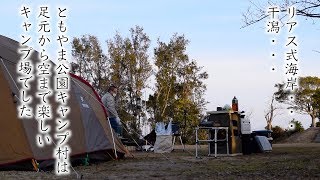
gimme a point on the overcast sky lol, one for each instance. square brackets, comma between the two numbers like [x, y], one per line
[238, 61]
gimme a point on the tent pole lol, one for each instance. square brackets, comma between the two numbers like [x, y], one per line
[9, 73]
[114, 144]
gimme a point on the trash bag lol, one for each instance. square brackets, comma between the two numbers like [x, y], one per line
[162, 130]
[163, 144]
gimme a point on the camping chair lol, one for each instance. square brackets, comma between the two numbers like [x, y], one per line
[176, 133]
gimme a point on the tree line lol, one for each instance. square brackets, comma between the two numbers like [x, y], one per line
[303, 100]
[306, 98]
[177, 89]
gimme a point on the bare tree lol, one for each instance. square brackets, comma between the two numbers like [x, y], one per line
[249, 114]
[257, 11]
[316, 51]
[271, 112]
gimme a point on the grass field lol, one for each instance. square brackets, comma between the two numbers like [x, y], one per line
[286, 161]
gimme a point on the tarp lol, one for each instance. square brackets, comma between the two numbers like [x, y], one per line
[162, 130]
[163, 144]
[263, 143]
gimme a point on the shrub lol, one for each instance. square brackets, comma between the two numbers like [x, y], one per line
[318, 124]
[297, 127]
[278, 133]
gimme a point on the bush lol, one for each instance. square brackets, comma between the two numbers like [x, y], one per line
[297, 127]
[278, 133]
[318, 124]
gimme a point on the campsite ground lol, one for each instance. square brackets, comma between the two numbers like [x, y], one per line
[286, 161]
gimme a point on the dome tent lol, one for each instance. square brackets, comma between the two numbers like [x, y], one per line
[91, 132]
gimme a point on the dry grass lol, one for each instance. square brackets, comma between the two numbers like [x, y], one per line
[286, 161]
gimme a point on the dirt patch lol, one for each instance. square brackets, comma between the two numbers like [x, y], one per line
[307, 136]
[287, 161]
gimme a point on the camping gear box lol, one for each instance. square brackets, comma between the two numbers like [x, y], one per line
[229, 119]
[219, 119]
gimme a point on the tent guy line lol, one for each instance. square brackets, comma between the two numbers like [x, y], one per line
[121, 121]
[78, 86]
[9, 58]
[78, 176]
[114, 144]
[9, 72]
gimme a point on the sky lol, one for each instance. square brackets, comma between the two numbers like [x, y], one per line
[237, 60]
